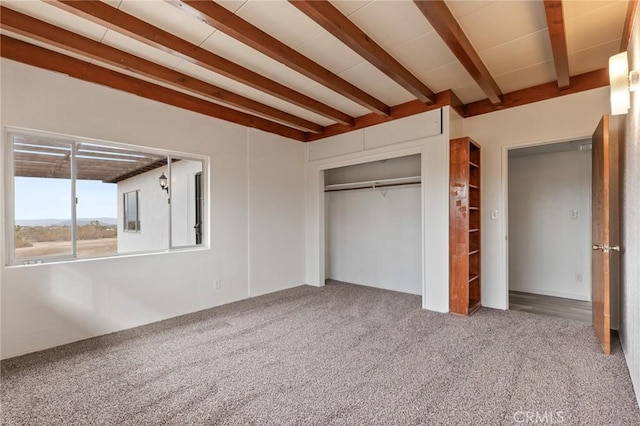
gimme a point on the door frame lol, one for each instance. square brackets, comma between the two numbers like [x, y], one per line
[504, 207]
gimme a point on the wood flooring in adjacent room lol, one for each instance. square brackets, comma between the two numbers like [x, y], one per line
[558, 307]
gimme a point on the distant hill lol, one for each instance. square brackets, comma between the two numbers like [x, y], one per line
[59, 222]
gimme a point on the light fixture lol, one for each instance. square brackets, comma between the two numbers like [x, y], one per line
[164, 184]
[621, 83]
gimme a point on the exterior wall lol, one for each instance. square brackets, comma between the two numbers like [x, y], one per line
[630, 223]
[154, 209]
[51, 304]
[153, 212]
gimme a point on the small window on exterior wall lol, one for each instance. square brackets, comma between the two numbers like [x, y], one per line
[131, 216]
[70, 198]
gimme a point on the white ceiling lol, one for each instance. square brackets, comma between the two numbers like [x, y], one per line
[511, 38]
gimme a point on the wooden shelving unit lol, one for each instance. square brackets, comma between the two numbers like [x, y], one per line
[464, 227]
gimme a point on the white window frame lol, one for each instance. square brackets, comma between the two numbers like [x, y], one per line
[7, 157]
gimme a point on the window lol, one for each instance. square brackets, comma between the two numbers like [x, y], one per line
[131, 217]
[79, 198]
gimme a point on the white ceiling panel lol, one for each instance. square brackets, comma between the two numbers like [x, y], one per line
[503, 21]
[470, 93]
[527, 77]
[163, 15]
[598, 27]
[140, 49]
[532, 49]
[575, 8]
[376, 83]
[235, 51]
[347, 7]
[231, 5]
[460, 8]
[592, 59]
[380, 21]
[56, 16]
[424, 53]
[269, 16]
[286, 76]
[200, 73]
[272, 101]
[450, 76]
[329, 52]
[329, 97]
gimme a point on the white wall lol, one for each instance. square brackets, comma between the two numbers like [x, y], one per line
[547, 248]
[51, 304]
[153, 212]
[375, 238]
[276, 211]
[565, 118]
[420, 134]
[630, 224]
[154, 209]
[183, 200]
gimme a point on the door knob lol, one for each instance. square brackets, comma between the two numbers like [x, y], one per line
[605, 248]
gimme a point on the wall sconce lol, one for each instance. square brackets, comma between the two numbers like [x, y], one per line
[622, 82]
[164, 183]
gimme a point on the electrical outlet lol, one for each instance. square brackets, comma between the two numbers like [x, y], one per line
[579, 277]
[574, 214]
[217, 284]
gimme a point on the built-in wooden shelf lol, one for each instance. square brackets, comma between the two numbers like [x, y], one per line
[464, 227]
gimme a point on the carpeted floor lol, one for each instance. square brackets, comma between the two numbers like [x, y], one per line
[342, 354]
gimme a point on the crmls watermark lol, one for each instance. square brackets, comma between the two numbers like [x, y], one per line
[539, 417]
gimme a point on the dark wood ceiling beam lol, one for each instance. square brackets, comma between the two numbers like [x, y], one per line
[42, 58]
[555, 25]
[445, 24]
[579, 83]
[236, 27]
[50, 34]
[632, 9]
[117, 20]
[333, 21]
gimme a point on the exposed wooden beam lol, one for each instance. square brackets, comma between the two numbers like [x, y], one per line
[332, 20]
[632, 9]
[117, 20]
[406, 109]
[579, 83]
[445, 24]
[50, 34]
[236, 27]
[33, 55]
[555, 24]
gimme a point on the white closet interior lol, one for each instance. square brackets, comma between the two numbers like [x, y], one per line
[373, 224]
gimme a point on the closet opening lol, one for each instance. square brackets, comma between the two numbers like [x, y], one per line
[549, 229]
[373, 224]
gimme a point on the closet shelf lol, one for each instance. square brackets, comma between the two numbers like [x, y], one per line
[380, 183]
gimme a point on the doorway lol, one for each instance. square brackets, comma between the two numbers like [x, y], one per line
[549, 229]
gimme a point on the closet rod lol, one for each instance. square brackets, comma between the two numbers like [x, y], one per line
[374, 186]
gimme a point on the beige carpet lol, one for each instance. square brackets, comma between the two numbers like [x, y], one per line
[342, 354]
